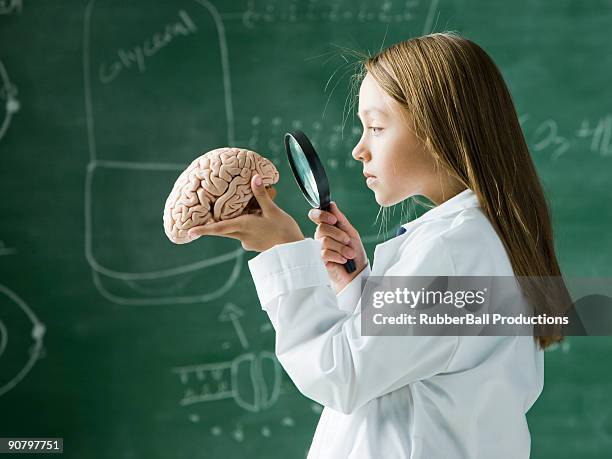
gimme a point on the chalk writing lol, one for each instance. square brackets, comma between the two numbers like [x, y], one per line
[548, 138]
[269, 11]
[333, 143]
[600, 135]
[137, 55]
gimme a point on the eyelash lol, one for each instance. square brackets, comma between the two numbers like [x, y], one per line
[373, 128]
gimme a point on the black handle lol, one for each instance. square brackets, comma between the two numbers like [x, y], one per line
[350, 266]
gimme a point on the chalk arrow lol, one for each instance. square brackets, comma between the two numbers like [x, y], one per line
[231, 312]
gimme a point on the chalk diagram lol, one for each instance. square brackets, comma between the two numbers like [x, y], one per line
[220, 380]
[252, 380]
[18, 319]
[8, 100]
[154, 286]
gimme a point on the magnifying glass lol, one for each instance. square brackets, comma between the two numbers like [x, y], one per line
[310, 175]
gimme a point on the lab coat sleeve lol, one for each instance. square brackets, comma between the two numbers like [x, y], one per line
[348, 297]
[320, 345]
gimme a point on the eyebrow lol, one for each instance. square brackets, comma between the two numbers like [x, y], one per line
[370, 110]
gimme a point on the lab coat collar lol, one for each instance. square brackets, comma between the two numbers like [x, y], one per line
[464, 200]
[386, 251]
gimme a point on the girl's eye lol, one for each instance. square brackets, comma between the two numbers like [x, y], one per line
[376, 130]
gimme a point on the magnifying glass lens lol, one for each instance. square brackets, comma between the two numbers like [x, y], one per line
[302, 168]
[310, 175]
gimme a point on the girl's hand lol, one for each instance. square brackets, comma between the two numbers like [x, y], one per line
[339, 243]
[258, 232]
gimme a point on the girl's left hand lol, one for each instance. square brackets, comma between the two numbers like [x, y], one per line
[258, 232]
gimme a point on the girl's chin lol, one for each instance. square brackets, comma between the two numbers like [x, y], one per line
[383, 200]
[386, 201]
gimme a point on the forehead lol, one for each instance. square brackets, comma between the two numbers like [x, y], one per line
[372, 99]
[371, 111]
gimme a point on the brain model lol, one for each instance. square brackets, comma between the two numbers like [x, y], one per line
[216, 186]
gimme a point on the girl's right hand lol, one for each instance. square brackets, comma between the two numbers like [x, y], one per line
[339, 243]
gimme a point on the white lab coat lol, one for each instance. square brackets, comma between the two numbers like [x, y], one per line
[402, 396]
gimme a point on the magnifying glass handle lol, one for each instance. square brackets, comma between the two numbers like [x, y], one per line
[350, 264]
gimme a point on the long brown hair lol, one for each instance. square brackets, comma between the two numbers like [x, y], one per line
[464, 114]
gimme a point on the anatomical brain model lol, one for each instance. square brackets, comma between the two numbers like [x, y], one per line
[216, 186]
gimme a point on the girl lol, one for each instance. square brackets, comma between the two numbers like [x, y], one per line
[438, 121]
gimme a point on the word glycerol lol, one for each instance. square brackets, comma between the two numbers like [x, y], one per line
[411, 298]
[137, 55]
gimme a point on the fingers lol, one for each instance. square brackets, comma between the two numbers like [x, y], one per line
[221, 228]
[332, 250]
[343, 222]
[334, 240]
[261, 194]
[332, 231]
[320, 216]
[339, 255]
[335, 217]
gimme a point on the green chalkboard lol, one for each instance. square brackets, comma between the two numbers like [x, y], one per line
[129, 346]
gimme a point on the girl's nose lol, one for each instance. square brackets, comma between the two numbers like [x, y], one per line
[359, 152]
